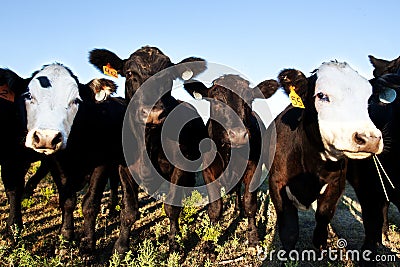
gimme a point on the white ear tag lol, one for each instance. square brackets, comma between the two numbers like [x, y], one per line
[197, 96]
[187, 75]
[100, 96]
[387, 95]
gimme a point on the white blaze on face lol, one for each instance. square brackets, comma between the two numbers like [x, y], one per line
[51, 108]
[341, 100]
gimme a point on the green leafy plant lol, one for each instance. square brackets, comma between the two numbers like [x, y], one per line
[115, 260]
[173, 260]
[118, 207]
[208, 263]
[209, 231]
[27, 203]
[147, 255]
[158, 231]
[190, 207]
[47, 193]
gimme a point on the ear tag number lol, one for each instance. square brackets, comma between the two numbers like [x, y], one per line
[295, 98]
[6, 93]
[108, 70]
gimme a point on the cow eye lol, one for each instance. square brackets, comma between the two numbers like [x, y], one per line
[76, 101]
[323, 97]
[128, 74]
[27, 96]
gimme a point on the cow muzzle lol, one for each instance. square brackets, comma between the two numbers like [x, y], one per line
[355, 140]
[366, 144]
[238, 136]
[152, 115]
[45, 140]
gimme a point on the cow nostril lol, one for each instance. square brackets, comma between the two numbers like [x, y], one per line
[36, 139]
[56, 140]
[360, 139]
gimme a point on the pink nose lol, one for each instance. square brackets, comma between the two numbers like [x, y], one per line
[367, 143]
[47, 139]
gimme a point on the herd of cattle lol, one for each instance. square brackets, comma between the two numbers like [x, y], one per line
[342, 124]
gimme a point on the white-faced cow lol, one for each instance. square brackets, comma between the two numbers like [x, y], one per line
[142, 65]
[384, 110]
[81, 138]
[314, 142]
[41, 128]
[237, 133]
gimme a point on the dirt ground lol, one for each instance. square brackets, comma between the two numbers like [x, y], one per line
[41, 245]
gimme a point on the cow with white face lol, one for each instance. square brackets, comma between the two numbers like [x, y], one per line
[66, 120]
[51, 106]
[341, 101]
[326, 124]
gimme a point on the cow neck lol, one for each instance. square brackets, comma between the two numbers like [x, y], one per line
[395, 133]
[153, 140]
[223, 149]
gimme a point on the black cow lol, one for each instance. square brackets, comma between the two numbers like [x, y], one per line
[313, 143]
[15, 158]
[237, 133]
[81, 138]
[384, 110]
[142, 66]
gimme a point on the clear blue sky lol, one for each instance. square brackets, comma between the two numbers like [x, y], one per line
[257, 38]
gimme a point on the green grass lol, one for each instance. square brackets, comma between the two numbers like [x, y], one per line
[39, 244]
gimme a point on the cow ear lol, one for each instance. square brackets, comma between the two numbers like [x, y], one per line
[97, 90]
[387, 80]
[14, 84]
[102, 57]
[190, 67]
[292, 79]
[196, 89]
[380, 65]
[267, 88]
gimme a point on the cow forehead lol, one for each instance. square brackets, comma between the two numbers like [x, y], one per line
[340, 79]
[54, 80]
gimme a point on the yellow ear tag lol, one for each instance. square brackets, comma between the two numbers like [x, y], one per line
[108, 70]
[295, 98]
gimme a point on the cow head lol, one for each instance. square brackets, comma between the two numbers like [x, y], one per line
[336, 97]
[231, 97]
[382, 66]
[384, 108]
[145, 63]
[52, 98]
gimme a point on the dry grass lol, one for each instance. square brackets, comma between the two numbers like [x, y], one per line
[42, 246]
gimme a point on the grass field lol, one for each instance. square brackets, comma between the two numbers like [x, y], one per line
[41, 245]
